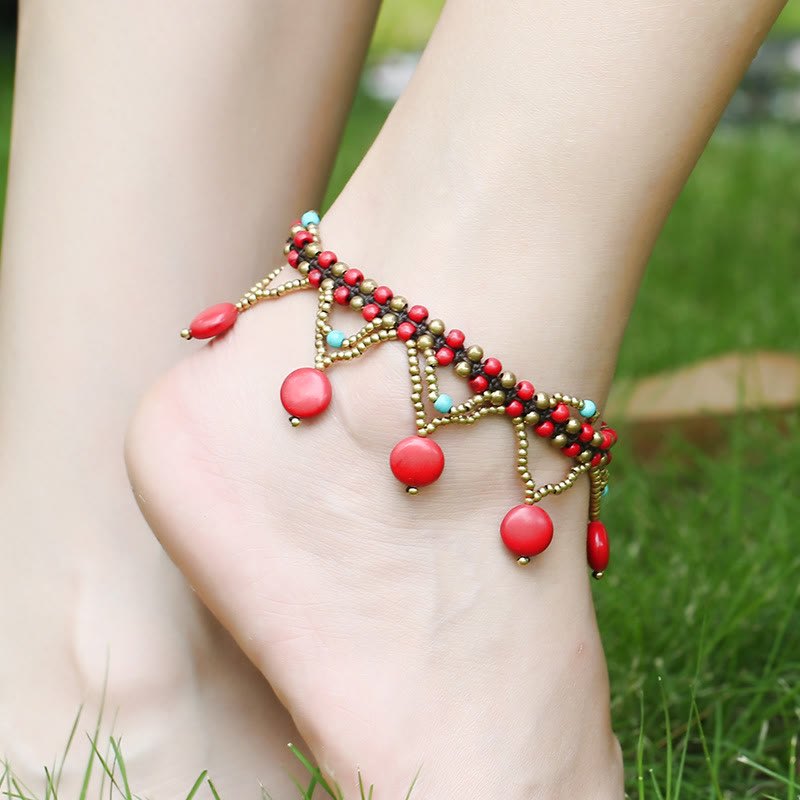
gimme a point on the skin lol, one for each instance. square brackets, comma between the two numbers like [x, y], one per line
[517, 190]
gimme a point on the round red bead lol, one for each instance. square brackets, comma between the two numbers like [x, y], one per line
[572, 450]
[306, 392]
[417, 313]
[587, 432]
[383, 294]
[326, 258]
[560, 413]
[525, 390]
[514, 408]
[417, 461]
[370, 311]
[613, 434]
[595, 462]
[302, 238]
[297, 223]
[352, 277]
[405, 330]
[492, 367]
[315, 277]
[213, 321]
[455, 339]
[597, 546]
[478, 384]
[545, 429]
[292, 258]
[527, 530]
[445, 356]
[608, 440]
[341, 295]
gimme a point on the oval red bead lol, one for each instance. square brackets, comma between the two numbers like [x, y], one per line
[302, 238]
[608, 440]
[315, 277]
[525, 390]
[597, 546]
[445, 356]
[383, 294]
[587, 432]
[595, 462]
[341, 295]
[417, 461]
[213, 321]
[527, 530]
[478, 384]
[326, 258]
[352, 277]
[492, 367]
[370, 311]
[545, 429]
[560, 413]
[417, 313]
[292, 257]
[405, 330]
[571, 450]
[514, 408]
[455, 339]
[306, 392]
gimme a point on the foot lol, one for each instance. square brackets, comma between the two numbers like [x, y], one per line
[397, 630]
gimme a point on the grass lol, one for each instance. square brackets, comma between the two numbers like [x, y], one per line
[698, 611]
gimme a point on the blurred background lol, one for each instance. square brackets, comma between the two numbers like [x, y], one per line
[698, 611]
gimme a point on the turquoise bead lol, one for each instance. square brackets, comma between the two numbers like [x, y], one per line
[589, 409]
[335, 338]
[309, 218]
[443, 404]
[605, 492]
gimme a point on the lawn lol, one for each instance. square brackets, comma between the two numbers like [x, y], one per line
[698, 609]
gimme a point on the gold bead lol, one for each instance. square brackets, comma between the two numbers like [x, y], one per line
[312, 250]
[368, 286]
[475, 353]
[597, 575]
[383, 335]
[498, 397]
[327, 284]
[412, 490]
[295, 421]
[573, 425]
[597, 439]
[389, 320]
[560, 440]
[542, 400]
[286, 249]
[523, 561]
[338, 269]
[186, 334]
[508, 380]
[532, 418]
[436, 327]
[398, 303]
[463, 369]
[303, 267]
[425, 341]
[296, 229]
[357, 302]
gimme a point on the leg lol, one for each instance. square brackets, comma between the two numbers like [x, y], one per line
[148, 141]
[519, 200]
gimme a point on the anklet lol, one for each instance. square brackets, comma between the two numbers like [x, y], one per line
[418, 461]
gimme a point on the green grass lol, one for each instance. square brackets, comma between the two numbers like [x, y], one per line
[698, 610]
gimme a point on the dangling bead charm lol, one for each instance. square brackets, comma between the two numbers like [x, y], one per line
[306, 392]
[417, 461]
[597, 548]
[212, 322]
[526, 531]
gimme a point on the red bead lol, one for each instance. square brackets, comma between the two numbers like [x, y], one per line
[297, 223]
[326, 258]
[545, 429]
[292, 257]
[587, 431]
[315, 277]
[608, 440]
[213, 321]
[571, 450]
[352, 277]
[478, 384]
[613, 435]
[595, 462]
[560, 413]
[302, 238]
[525, 390]
[370, 311]
[306, 392]
[417, 313]
[405, 330]
[597, 546]
[445, 356]
[382, 295]
[492, 367]
[417, 461]
[514, 408]
[527, 530]
[341, 295]
[455, 339]
[608, 456]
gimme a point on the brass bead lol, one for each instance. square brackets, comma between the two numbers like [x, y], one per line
[383, 335]
[475, 353]
[186, 334]
[295, 421]
[573, 425]
[286, 249]
[523, 561]
[327, 284]
[303, 267]
[338, 269]
[597, 439]
[542, 400]
[398, 303]
[508, 380]
[532, 418]
[498, 397]
[368, 286]
[425, 341]
[412, 490]
[389, 320]
[436, 327]
[357, 302]
[312, 250]
[463, 369]
[597, 575]
[560, 440]
[295, 229]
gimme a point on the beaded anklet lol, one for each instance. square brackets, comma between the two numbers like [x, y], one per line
[418, 461]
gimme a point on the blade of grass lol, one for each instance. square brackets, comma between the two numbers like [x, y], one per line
[104, 765]
[50, 786]
[69, 745]
[197, 784]
[413, 783]
[640, 751]
[312, 770]
[792, 787]
[123, 771]
[668, 727]
[714, 778]
[216, 795]
[655, 785]
[88, 774]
